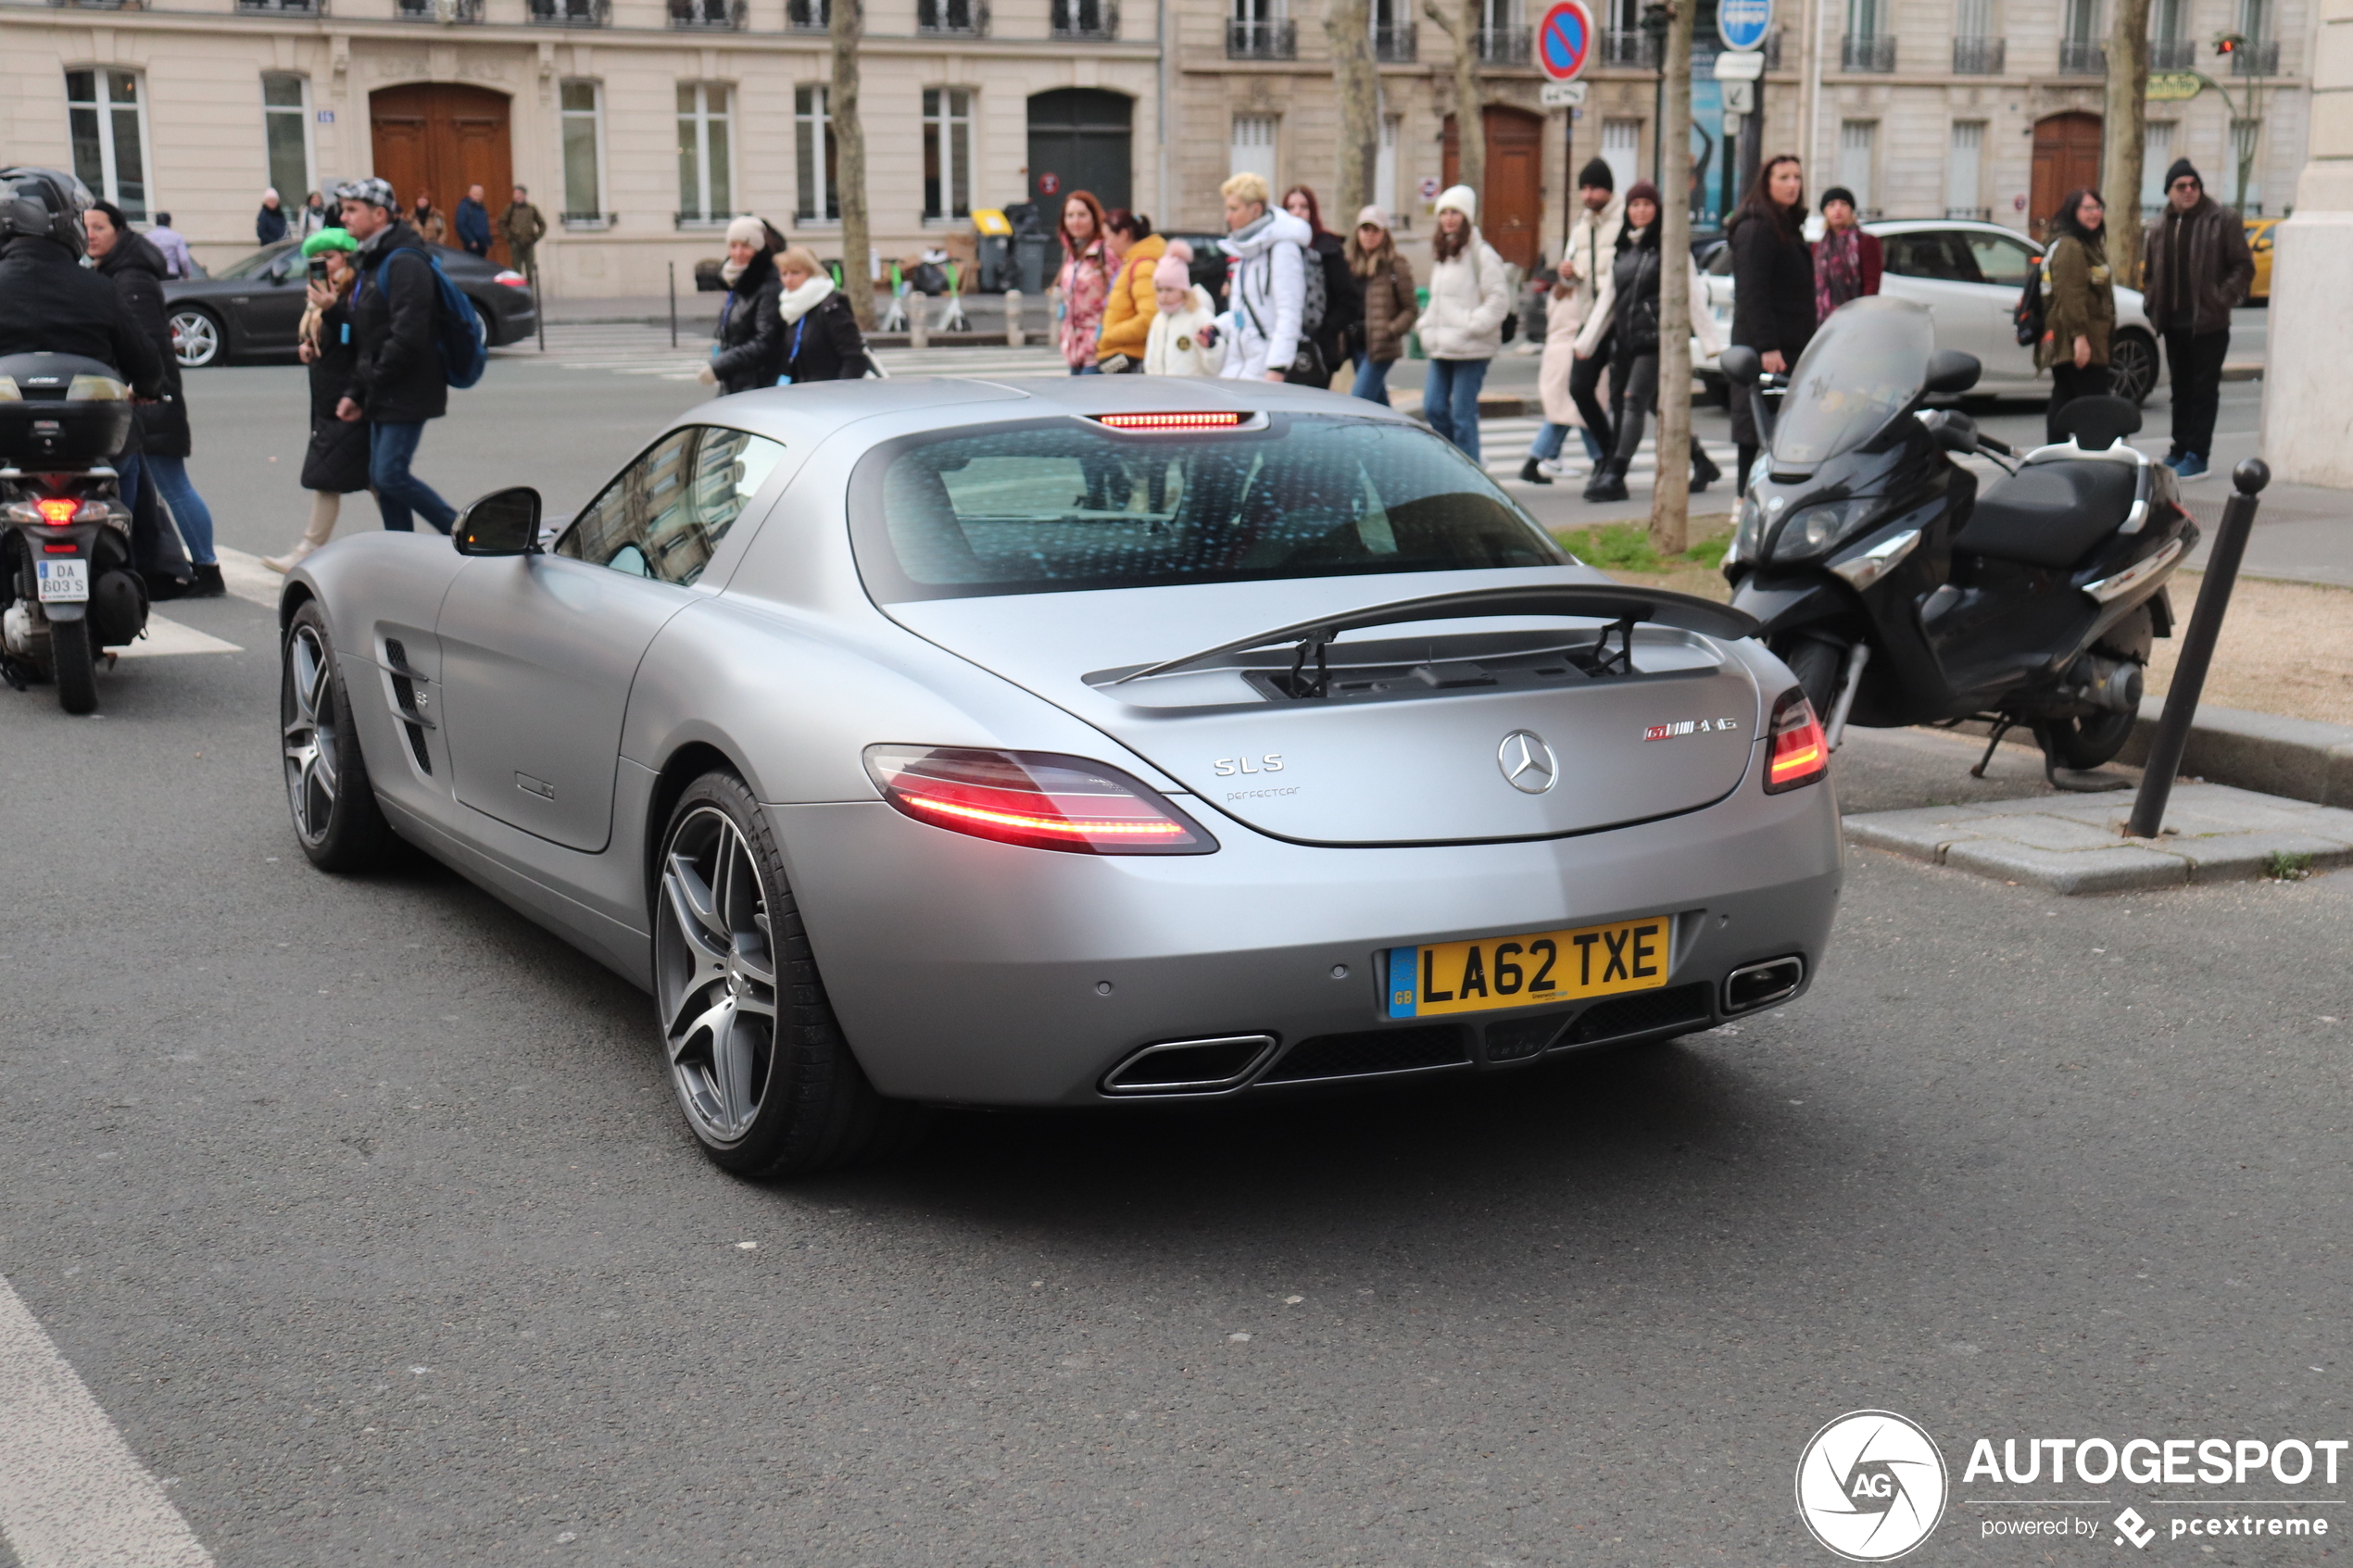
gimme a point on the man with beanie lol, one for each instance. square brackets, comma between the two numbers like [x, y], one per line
[1592, 247]
[396, 379]
[2198, 267]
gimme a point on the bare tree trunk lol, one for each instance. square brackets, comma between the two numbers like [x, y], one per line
[1471, 123]
[2126, 140]
[1671, 496]
[846, 26]
[1348, 26]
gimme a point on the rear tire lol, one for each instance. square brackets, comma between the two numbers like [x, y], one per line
[2132, 368]
[1816, 663]
[73, 665]
[2083, 743]
[336, 815]
[763, 1075]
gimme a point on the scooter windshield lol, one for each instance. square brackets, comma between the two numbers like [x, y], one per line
[1864, 367]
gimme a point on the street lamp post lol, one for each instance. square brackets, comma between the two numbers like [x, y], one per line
[1654, 25]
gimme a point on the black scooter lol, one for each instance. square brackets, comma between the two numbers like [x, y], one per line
[1898, 594]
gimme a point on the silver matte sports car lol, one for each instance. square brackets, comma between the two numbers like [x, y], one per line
[1068, 742]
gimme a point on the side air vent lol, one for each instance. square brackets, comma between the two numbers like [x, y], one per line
[1374, 1051]
[1676, 1007]
[1189, 1067]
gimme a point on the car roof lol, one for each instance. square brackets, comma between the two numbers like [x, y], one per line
[889, 407]
[1919, 225]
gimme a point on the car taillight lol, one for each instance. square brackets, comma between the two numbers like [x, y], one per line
[57, 510]
[1801, 755]
[1037, 799]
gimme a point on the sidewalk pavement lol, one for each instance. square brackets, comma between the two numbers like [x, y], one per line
[2302, 533]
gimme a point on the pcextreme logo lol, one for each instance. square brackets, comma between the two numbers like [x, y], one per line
[1871, 1486]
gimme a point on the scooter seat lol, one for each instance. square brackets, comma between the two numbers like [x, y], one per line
[2050, 514]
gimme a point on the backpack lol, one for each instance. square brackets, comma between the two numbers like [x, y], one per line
[1311, 315]
[2033, 304]
[456, 331]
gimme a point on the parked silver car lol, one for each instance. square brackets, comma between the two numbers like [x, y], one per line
[1068, 742]
[1969, 275]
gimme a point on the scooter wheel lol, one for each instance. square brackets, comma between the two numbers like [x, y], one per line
[2084, 742]
[1817, 664]
[73, 666]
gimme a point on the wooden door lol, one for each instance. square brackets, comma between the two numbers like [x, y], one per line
[439, 137]
[2067, 157]
[1512, 206]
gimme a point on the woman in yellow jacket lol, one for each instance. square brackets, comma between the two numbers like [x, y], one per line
[1129, 308]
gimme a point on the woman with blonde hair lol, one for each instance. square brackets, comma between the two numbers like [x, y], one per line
[335, 463]
[821, 339]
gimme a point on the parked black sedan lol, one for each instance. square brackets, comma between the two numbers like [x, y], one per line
[250, 308]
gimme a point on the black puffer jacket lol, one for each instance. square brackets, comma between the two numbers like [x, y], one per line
[825, 344]
[136, 269]
[751, 335]
[1634, 294]
[49, 303]
[1772, 287]
[398, 377]
[337, 456]
[1343, 300]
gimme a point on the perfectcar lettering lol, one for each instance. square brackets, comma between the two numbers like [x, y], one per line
[1272, 763]
[1687, 727]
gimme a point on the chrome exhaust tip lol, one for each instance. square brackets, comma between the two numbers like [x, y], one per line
[1208, 1066]
[1761, 984]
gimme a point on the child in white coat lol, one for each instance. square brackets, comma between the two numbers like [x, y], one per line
[1183, 341]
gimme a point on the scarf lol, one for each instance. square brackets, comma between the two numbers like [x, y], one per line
[1838, 269]
[800, 302]
[731, 269]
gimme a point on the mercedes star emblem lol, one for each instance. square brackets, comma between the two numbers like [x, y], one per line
[1526, 762]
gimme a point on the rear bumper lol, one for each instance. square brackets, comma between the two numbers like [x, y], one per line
[973, 972]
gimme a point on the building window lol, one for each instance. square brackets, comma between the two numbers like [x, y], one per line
[1385, 170]
[1253, 148]
[1622, 150]
[106, 117]
[1856, 140]
[2080, 52]
[948, 142]
[583, 132]
[1964, 165]
[2157, 156]
[814, 156]
[286, 126]
[705, 170]
[1258, 29]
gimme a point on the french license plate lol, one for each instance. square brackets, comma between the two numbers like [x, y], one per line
[64, 581]
[1530, 969]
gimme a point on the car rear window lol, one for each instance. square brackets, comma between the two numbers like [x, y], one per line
[1065, 505]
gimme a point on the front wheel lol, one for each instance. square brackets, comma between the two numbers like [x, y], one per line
[336, 814]
[74, 664]
[766, 1081]
[2084, 742]
[2132, 367]
[1816, 663]
[196, 337]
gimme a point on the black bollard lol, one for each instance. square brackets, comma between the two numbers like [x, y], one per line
[2172, 735]
[673, 305]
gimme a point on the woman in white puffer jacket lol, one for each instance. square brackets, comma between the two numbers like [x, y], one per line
[1462, 329]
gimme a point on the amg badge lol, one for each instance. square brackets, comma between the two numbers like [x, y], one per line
[1687, 727]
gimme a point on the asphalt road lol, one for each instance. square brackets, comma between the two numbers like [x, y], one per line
[361, 1208]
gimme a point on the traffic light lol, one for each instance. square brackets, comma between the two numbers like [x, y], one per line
[2230, 43]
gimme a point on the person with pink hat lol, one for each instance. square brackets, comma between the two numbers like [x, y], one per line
[1183, 341]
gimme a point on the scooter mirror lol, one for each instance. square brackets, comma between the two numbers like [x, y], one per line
[1951, 370]
[1740, 366]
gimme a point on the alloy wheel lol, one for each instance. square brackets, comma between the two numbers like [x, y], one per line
[716, 975]
[310, 733]
[2132, 368]
[196, 339]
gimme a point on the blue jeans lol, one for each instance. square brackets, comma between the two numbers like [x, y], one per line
[1086, 369]
[1552, 437]
[1450, 401]
[391, 448]
[1372, 381]
[170, 476]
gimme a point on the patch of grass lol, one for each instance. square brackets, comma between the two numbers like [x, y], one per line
[1625, 547]
[2288, 866]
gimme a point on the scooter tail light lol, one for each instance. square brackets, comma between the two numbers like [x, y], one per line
[57, 510]
[1800, 754]
[1040, 800]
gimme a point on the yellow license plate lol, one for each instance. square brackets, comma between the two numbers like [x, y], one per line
[1530, 969]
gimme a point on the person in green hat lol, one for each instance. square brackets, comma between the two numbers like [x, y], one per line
[335, 463]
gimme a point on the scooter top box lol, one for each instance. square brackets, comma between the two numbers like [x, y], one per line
[60, 410]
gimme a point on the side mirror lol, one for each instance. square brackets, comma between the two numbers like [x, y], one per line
[1741, 364]
[1950, 370]
[505, 523]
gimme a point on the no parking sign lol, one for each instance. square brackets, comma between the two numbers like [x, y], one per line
[1564, 40]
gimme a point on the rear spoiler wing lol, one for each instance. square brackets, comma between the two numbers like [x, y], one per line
[1622, 605]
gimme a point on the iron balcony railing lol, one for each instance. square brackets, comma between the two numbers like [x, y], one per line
[1979, 214]
[808, 16]
[570, 13]
[1085, 18]
[1875, 52]
[590, 221]
[439, 10]
[2172, 54]
[964, 19]
[1980, 56]
[704, 220]
[1262, 39]
[724, 15]
[1398, 43]
[2257, 59]
[1627, 47]
[282, 7]
[2082, 56]
[1502, 45]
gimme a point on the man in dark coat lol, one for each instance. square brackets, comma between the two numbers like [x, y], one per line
[523, 228]
[473, 223]
[399, 382]
[154, 464]
[50, 303]
[2198, 267]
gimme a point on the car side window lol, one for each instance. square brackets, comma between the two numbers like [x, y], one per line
[663, 515]
[1933, 255]
[2001, 259]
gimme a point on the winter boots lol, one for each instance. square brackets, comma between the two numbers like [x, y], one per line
[1531, 473]
[325, 507]
[1704, 469]
[1608, 482]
